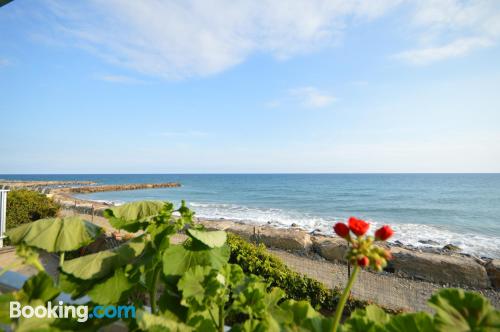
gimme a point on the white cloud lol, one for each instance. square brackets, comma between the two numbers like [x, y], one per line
[172, 39]
[118, 79]
[312, 97]
[459, 47]
[183, 134]
[4, 62]
[452, 28]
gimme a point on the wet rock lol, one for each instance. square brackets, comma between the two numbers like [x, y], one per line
[455, 270]
[451, 247]
[493, 268]
[429, 242]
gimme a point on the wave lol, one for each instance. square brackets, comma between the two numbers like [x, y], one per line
[416, 235]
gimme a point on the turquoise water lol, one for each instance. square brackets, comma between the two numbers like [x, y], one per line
[462, 209]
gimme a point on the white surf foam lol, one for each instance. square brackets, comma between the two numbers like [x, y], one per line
[416, 235]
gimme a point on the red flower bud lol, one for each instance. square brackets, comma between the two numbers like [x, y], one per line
[341, 229]
[358, 226]
[383, 233]
[364, 261]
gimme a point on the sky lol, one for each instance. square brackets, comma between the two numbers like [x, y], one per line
[251, 86]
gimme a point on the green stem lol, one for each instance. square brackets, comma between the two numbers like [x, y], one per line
[61, 259]
[343, 299]
[152, 291]
[221, 318]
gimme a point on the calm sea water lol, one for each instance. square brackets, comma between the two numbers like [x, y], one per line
[461, 209]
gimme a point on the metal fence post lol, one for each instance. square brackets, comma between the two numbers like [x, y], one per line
[3, 214]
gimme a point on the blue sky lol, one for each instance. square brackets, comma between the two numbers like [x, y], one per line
[249, 86]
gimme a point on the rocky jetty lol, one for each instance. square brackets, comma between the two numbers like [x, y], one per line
[119, 187]
[11, 184]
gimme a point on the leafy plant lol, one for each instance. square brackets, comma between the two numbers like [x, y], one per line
[194, 287]
[24, 206]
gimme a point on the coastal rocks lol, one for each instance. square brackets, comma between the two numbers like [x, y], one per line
[454, 270]
[429, 242]
[451, 247]
[120, 187]
[493, 269]
[332, 249]
[293, 239]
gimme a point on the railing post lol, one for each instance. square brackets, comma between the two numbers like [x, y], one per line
[3, 214]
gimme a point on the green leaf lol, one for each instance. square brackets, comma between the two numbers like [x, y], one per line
[177, 259]
[371, 318]
[55, 234]
[414, 322]
[213, 239]
[133, 216]
[458, 310]
[103, 263]
[150, 322]
[38, 287]
[192, 283]
[111, 290]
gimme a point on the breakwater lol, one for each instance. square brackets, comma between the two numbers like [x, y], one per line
[119, 187]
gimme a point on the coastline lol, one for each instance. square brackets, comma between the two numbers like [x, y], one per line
[439, 266]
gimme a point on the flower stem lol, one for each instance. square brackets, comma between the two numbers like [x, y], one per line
[221, 318]
[61, 259]
[343, 299]
[154, 286]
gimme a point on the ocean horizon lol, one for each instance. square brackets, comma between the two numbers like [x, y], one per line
[425, 209]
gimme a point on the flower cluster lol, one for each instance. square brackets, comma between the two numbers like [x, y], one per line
[362, 251]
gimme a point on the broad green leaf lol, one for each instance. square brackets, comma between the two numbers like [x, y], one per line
[103, 263]
[177, 259]
[38, 287]
[111, 290]
[192, 283]
[133, 216]
[150, 322]
[55, 234]
[299, 311]
[369, 319]
[414, 322]
[458, 310]
[213, 239]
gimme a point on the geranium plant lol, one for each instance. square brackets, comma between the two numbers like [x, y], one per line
[362, 253]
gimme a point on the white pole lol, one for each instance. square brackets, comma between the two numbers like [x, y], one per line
[3, 214]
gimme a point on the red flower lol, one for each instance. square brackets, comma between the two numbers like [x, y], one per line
[364, 261]
[383, 233]
[341, 229]
[358, 226]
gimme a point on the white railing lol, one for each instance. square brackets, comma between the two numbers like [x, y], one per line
[3, 214]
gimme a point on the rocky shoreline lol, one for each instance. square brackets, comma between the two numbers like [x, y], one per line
[441, 266]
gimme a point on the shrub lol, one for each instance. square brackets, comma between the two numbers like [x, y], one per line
[255, 259]
[25, 206]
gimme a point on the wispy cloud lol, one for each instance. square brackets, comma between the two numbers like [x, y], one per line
[459, 47]
[183, 134]
[172, 39]
[451, 28]
[4, 62]
[118, 79]
[312, 97]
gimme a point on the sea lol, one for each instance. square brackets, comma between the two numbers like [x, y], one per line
[425, 210]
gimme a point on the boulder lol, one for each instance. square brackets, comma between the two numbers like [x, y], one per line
[453, 270]
[215, 225]
[493, 269]
[331, 248]
[243, 230]
[293, 239]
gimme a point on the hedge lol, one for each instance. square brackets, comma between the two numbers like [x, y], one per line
[256, 259]
[25, 206]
